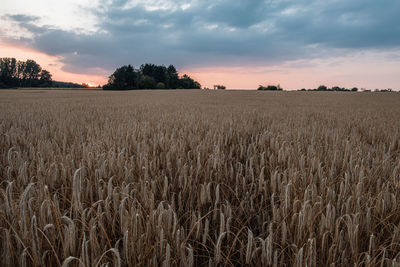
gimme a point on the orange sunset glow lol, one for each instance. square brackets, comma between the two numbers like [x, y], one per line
[50, 63]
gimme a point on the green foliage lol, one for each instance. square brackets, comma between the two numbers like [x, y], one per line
[57, 84]
[147, 82]
[149, 76]
[160, 85]
[28, 73]
[173, 77]
[188, 83]
[269, 88]
[123, 78]
[334, 88]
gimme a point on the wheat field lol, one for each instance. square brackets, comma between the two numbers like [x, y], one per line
[199, 178]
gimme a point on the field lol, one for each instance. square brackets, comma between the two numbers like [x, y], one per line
[199, 178]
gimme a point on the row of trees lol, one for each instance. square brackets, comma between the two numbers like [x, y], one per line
[149, 76]
[15, 73]
[270, 88]
[334, 88]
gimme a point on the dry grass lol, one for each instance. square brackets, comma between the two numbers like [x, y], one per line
[92, 178]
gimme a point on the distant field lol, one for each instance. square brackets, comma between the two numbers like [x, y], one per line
[198, 178]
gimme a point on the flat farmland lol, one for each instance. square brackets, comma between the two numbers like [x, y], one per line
[199, 178]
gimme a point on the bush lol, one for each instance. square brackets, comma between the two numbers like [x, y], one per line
[147, 82]
[269, 88]
[160, 85]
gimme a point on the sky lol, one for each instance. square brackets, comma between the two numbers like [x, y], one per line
[238, 43]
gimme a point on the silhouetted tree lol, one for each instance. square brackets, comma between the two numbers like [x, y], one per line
[147, 69]
[219, 87]
[173, 77]
[9, 72]
[28, 73]
[188, 83]
[32, 71]
[269, 88]
[334, 88]
[149, 76]
[123, 78]
[161, 74]
[45, 78]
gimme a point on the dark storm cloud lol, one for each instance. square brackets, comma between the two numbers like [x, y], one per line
[221, 32]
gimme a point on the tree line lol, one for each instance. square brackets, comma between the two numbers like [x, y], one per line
[15, 73]
[149, 76]
[270, 88]
[334, 88]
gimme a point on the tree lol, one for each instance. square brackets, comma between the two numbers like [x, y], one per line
[322, 88]
[161, 74]
[147, 82]
[21, 73]
[147, 69]
[188, 83]
[270, 88]
[149, 76]
[9, 71]
[31, 72]
[158, 72]
[15, 73]
[45, 78]
[123, 78]
[173, 77]
[354, 89]
[160, 85]
[220, 87]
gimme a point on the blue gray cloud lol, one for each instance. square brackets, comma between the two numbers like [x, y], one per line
[218, 32]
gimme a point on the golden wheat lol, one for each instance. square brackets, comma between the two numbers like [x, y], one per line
[193, 178]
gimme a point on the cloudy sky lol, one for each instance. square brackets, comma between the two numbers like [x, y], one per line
[239, 43]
